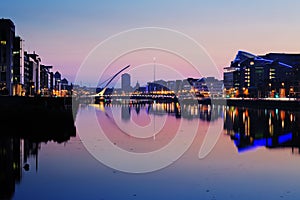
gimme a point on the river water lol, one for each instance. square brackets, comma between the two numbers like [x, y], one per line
[158, 151]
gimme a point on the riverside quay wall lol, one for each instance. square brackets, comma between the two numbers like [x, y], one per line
[36, 115]
[286, 104]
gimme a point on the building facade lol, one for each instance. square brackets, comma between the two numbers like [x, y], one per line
[125, 82]
[7, 34]
[206, 87]
[18, 66]
[21, 73]
[45, 79]
[260, 76]
[35, 70]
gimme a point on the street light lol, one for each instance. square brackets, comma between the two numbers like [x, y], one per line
[31, 90]
[282, 92]
[291, 92]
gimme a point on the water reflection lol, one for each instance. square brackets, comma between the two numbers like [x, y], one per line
[185, 111]
[125, 113]
[16, 150]
[247, 128]
[253, 128]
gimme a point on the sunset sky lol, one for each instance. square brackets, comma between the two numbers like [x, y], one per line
[64, 32]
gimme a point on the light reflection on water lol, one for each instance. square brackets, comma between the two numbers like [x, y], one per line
[257, 156]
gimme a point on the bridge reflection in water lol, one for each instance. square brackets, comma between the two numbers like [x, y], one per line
[204, 112]
[249, 128]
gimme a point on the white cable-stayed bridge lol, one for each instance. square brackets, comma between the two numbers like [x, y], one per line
[101, 93]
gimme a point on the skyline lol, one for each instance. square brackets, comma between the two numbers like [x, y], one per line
[63, 34]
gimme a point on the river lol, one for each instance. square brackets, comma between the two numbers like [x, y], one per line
[158, 151]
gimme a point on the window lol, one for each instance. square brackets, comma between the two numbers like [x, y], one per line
[2, 68]
[3, 76]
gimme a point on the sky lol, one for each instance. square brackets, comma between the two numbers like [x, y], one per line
[65, 33]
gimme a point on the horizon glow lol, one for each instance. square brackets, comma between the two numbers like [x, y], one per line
[63, 33]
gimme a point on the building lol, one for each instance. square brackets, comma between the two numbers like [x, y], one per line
[7, 35]
[231, 81]
[51, 84]
[66, 89]
[32, 73]
[206, 87]
[45, 79]
[125, 82]
[28, 78]
[186, 86]
[57, 79]
[21, 73]
[35, 70]
[294, 61]
[215, 86]
[57, 83]
[136, 87]
[161, 84]
[156, 86]
[178, 85]
[260, 76]
[198, 87]
[64, 84]
[18, 66]
[171, 85]
[34, 77]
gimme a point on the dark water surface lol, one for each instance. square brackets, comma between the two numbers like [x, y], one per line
[256, 156]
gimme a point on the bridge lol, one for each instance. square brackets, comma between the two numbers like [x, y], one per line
[101, 93]
[158, 96]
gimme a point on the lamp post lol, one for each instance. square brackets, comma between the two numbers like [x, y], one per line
[291, 92]
[283, 90]
[59, 87]
[31, 90]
